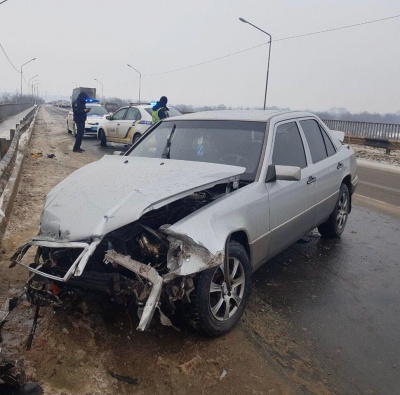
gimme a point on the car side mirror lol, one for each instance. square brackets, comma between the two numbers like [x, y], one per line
[284, 173]
[109, 117]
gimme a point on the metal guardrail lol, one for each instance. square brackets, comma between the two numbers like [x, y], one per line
[368, 130]
[8, 149]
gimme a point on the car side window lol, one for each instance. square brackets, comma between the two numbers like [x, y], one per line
[132, 114]
[315, 139]
[328, 143]
[288, 146]
[119, 114]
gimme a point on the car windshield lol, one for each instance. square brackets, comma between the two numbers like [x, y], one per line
[237, 143]
[97, 110]
[171, 111]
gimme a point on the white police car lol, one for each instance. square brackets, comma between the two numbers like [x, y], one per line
[94, 116]
[127, 124]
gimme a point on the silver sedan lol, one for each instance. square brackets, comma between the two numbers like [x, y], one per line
[180, 222]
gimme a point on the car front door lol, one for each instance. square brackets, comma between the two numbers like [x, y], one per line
[114, 124]
[126, 130]
[291, 203]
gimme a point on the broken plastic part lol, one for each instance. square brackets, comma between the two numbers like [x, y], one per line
[147, 272]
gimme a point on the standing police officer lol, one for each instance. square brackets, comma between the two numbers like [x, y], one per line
[160, 110]
[80, 114]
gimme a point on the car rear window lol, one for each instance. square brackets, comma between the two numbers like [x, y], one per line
[97, 110]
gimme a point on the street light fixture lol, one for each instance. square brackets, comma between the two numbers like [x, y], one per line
[102, 99]
[269, 56]
[140, 78]
[21, 71]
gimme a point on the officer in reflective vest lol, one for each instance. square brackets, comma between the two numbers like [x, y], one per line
[160, 110]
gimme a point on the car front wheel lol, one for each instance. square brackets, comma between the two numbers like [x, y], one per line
[220, 295]
[336, 222]
[103, 138]
[68, 129]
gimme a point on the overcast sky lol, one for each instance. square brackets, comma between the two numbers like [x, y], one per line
[76, 41]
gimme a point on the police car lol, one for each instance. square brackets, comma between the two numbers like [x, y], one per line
[96, 114]
[127, 124]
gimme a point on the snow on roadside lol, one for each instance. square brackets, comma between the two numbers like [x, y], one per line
[377, 155]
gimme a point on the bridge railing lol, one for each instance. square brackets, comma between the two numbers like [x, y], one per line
[367, 130]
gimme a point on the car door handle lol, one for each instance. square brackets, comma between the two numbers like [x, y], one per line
[311, 180]
[117, 124]
[339, 166]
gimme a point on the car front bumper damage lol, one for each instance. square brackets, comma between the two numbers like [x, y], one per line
[176, 283]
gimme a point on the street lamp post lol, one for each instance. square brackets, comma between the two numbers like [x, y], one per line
[140, 78]
[21, 71]
[29, 81]
[269, 56]
[33, 90]
[102, 99]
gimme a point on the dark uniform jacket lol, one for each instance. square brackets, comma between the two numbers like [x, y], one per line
[78, 107]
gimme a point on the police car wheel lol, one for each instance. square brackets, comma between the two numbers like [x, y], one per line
[136, 137]
[103, 138]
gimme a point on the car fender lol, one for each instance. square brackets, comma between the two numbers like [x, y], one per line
[201, 237]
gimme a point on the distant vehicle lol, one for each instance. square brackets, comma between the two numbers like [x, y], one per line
[180, 222]
[94, 116]
[91, 92]
[65, 104]
[127, 124]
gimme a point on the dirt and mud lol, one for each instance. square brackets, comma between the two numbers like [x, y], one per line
[96, 350]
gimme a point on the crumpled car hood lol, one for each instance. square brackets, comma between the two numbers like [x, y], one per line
[117, 190]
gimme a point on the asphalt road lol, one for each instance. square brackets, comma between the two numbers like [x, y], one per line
[381, 183]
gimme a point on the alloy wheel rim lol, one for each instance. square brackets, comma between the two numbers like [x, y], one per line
[222, 302]
[342, 211]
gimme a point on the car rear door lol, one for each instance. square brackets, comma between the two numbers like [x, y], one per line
[291, 203]
[327, 168]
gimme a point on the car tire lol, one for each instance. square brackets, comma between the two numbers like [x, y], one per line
[69, 131]
[103, 138]
[213, 310]
[336, 222]
[135, 138]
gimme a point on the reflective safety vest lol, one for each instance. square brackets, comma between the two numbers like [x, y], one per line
[154, 115]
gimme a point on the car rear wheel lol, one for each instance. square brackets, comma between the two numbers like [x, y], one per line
[103, 138]
[336, 222]
[220, 298]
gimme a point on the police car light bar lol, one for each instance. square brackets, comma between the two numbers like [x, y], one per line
[92, 101]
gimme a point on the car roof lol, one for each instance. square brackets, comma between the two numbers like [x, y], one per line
[241, 115]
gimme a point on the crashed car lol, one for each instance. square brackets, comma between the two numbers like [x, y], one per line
[180, 222]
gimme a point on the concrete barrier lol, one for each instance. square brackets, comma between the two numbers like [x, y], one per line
[9, 109]
[11, 166]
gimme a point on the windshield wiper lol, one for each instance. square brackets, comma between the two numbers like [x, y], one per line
[167, 147]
